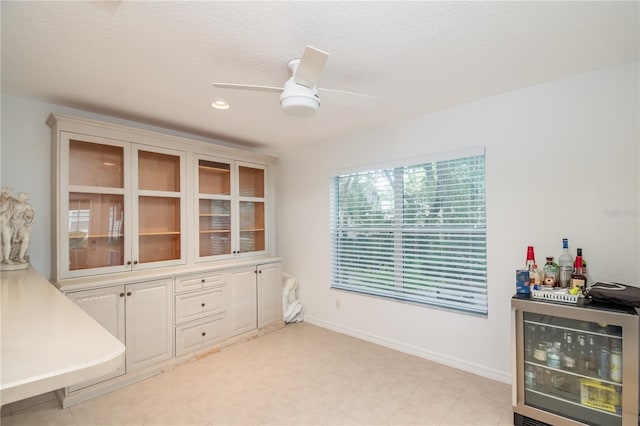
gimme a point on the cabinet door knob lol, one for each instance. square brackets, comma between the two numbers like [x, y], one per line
[128, 262]
[202, 280]
[121, 294]
[259, 272]
[204, 334]
[203, 304]
[135, 262]
[128, 293]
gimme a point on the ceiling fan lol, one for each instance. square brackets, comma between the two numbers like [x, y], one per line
[300, 95]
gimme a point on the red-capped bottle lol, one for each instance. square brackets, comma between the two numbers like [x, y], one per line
[534, 273]
[578, 278]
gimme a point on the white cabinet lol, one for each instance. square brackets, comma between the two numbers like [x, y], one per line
[106, 306]
[244, 308]
[120, 205]
[193, 306]
[126, 201]
[231, 214]
[269, 294]
[200, 334]
[140, 315]
[122, 197]
[256, 297]
[149, 323]
[200, 311]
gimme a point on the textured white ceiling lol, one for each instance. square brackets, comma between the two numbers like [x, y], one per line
[154, 61]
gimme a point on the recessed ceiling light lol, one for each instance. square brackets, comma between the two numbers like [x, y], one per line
[220, 105]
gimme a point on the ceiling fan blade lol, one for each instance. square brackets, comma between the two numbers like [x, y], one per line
[310, 67]
[346, 98]
[252, 87]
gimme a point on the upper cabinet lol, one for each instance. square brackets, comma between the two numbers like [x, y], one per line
[251, 208]
[128, 199]
[231, 208]
[121, 206]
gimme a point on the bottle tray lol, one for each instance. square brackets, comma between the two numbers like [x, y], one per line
[555, 296]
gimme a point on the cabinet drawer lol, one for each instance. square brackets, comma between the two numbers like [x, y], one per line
[198, 282]
[192, 306]
[191, 337]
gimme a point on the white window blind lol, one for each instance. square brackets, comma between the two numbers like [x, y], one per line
[415, 232]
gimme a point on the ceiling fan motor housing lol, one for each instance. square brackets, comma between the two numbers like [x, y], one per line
[299, 100]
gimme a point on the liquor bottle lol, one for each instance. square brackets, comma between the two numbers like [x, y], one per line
[582, 360]
[569, 358]
[604, 372]
[565, 265]
[594, 363]
[553, 355]
[551, 273]
[616, 362]
[529, 346]
[532, 267]
[578, 278]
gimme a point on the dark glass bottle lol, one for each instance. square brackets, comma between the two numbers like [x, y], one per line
[582, 361]
[529, 346]
[578, 278]
[569, 358]
[594, 356]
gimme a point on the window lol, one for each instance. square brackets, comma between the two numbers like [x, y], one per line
[415, 232]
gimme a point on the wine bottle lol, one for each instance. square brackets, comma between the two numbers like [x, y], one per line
[578, 278]
[565, 265]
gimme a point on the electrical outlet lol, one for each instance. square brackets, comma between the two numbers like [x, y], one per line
[337, 303]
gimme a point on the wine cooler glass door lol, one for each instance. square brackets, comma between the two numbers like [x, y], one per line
[573, 368]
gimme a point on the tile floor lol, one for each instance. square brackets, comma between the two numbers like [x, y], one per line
[299, 375]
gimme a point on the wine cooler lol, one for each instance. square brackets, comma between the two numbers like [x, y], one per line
[574, 364]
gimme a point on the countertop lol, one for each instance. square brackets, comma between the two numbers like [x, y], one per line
[47, 341]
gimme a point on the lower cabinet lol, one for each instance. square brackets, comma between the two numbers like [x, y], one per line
[165, 321]
[200, 334]
[140, 315]
[149, 323]
[269, 294]
[201, 311]
[256, 297]
[106, 306]
[244, 300]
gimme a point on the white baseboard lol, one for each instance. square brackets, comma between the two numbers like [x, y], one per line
[480, 370]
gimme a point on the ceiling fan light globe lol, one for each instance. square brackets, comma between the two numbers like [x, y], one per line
[300, 106]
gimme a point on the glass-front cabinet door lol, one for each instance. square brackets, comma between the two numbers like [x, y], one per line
[160, 207]
[573, 368]
[214, 208]
[231, 208]
[94, 232]
[251, 208]
[576, 364]
[112, 191]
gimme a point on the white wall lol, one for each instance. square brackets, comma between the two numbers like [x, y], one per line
[562, 160]
[25, 161]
